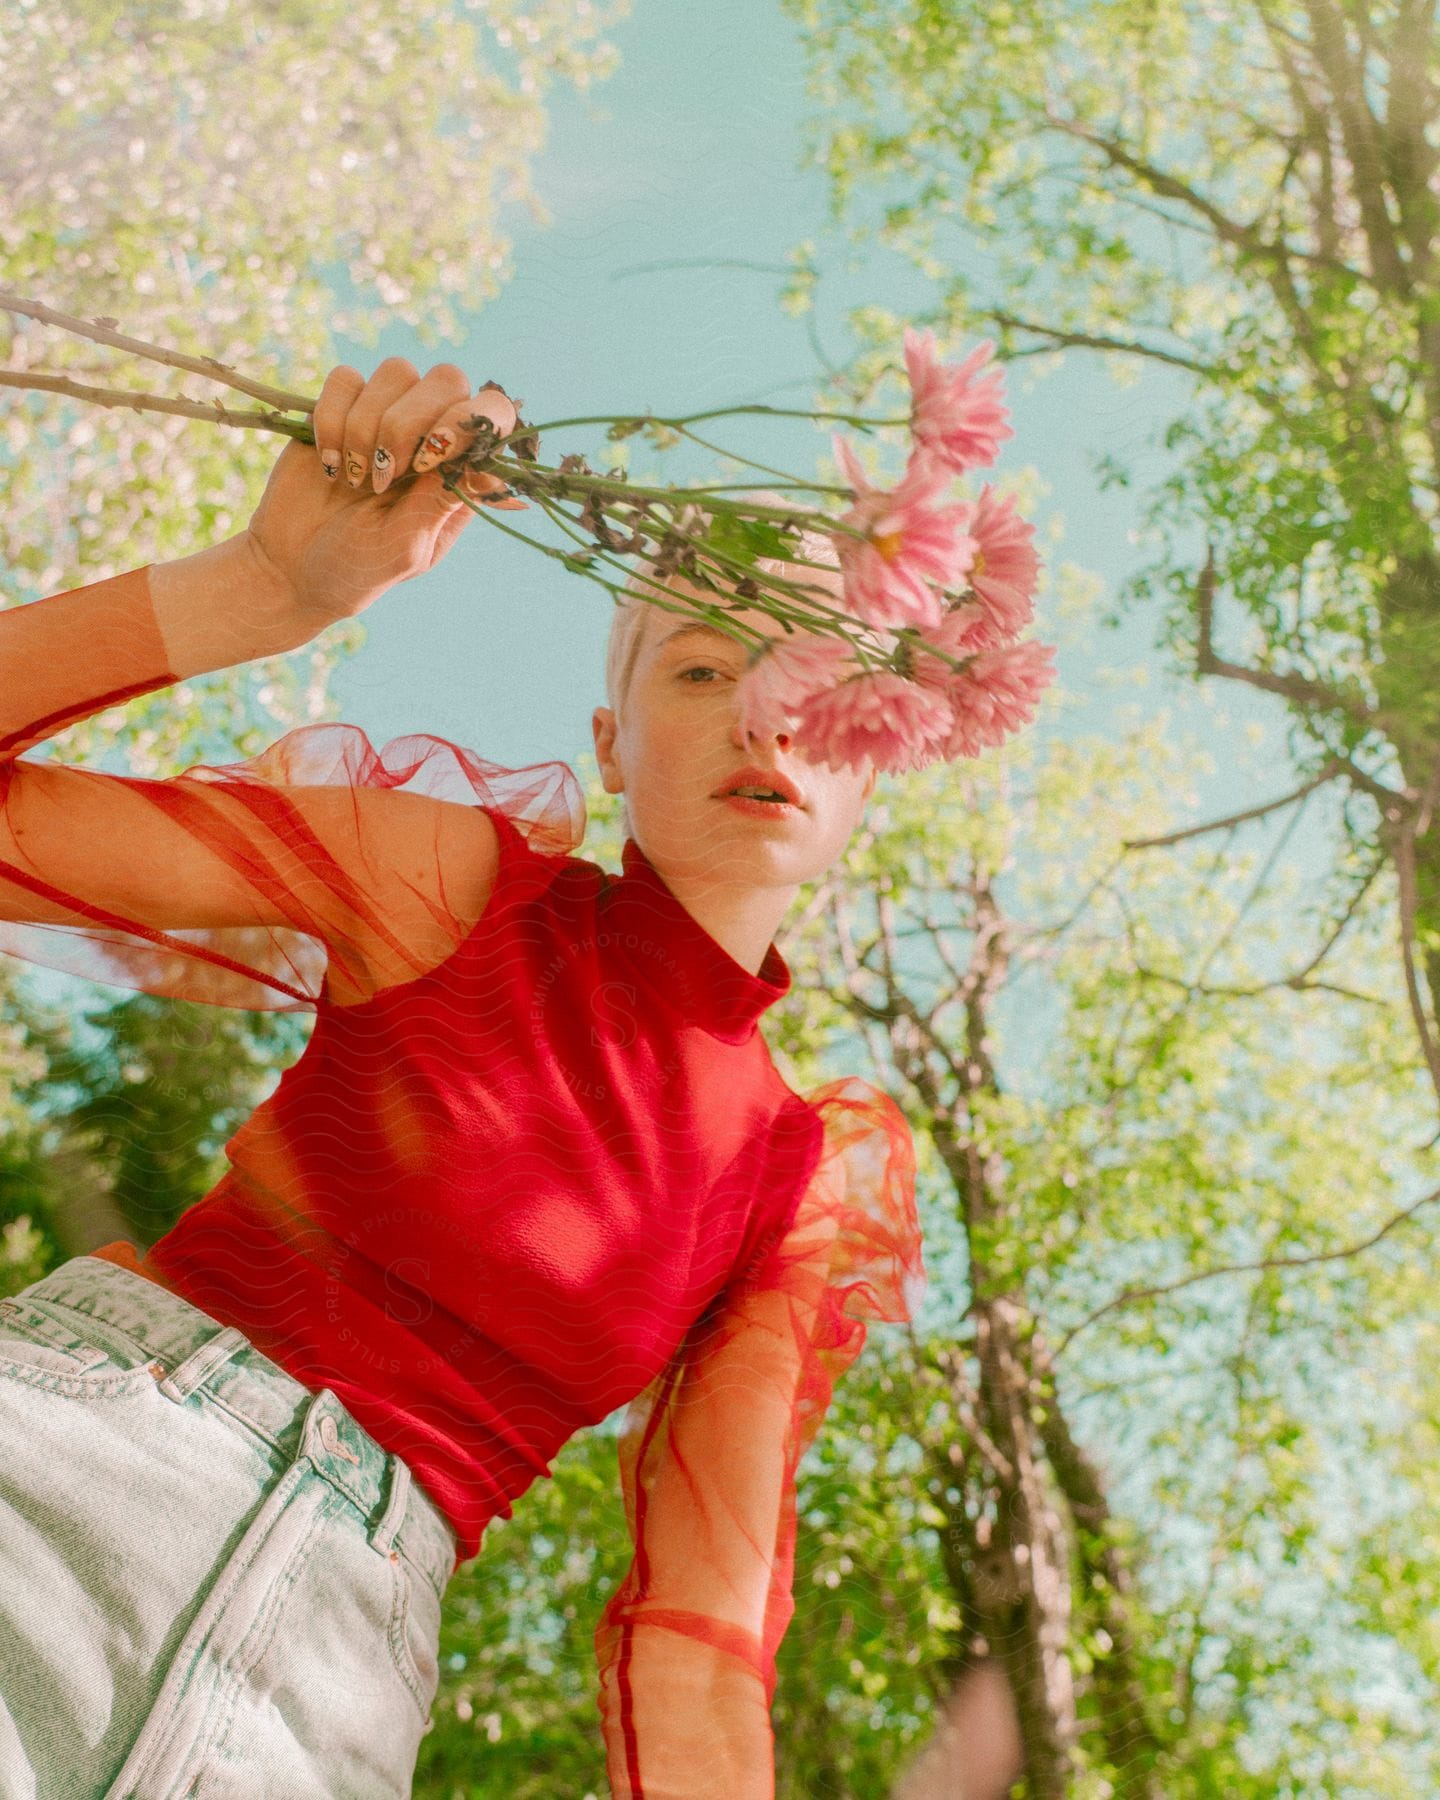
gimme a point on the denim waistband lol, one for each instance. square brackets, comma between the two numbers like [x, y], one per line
[140, 1325]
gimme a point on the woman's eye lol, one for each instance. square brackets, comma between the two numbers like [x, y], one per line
[699, 669]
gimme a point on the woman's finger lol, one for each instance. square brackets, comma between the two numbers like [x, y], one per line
[449, 434]
[427, 520]
[401, 431]
[394, 377]
[343, 386]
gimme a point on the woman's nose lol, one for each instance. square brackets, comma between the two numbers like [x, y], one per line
[759, 739]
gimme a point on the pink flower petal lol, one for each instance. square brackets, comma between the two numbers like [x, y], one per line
[1004, 572]
[997, 695]
[850, 466]
[963, 631]
[879, 718]
[959, 418]
[773, 687]
[910, 545]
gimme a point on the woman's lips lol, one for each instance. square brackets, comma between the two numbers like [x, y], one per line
[760, 809]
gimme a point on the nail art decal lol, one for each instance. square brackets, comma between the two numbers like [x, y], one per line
[384, 464]
[330, 463]
[354, 468]
[436, 448]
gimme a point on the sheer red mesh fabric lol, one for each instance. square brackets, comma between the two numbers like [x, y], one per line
[708, 1453]
[322, 853]
[328, 856]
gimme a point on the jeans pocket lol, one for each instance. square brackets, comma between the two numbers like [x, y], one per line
[39, 1349]
[414, 1634]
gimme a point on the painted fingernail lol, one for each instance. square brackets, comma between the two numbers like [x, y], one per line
[384, 464]
[436, 447]
[354, 468]
[330, 462]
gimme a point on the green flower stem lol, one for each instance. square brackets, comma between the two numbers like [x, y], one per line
[488, 514]
[687, 607]
[589, 547]
[547, 490]
[569, 485]
[546, 486]
[727, 487]
[748, 461]
[721, 412]
[811, 614]
[683, 605]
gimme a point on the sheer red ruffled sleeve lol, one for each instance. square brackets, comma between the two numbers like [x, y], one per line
[708, 1454]
[240, 884]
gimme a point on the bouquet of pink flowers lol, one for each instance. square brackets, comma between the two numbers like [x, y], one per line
[901, 640]
[920, 661]
[944, 588]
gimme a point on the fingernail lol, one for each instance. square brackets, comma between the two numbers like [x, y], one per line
[384, 468]
[436, 447]
[354, 468]
[330, 462]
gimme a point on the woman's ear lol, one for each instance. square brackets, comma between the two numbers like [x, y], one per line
[603, 727]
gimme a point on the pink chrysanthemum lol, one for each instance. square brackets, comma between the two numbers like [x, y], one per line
[774, 687]
[1005, 568]
[880, 718]
[994, 695]
[909, 542]
[963, 631]
[958, 418]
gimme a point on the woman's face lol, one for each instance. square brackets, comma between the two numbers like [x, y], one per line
[678, 745]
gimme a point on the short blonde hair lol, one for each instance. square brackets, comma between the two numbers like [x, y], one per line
[627, 617]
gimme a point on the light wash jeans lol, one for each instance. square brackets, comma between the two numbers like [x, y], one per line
[214, 1585]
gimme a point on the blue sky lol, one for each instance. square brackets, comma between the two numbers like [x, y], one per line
[691, 154]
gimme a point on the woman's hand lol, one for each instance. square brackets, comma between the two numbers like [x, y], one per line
[343, 521]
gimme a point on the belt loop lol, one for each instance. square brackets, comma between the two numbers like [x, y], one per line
[394, 1507]
[201, 1364]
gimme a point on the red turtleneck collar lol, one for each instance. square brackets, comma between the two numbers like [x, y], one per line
[685, 968]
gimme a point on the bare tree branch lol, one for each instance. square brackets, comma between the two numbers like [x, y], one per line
[1267, 868]
[1402, 847]
[950, 1361]
[1411, 106]
[1328, 773]
[1300, 980]
[1299, 984]
[1273, 259]
[1132, 1296]
[101, 331]
[1314, 120]
[1299, 688]
[156, 403]
[1090, 340]
[1164, 181]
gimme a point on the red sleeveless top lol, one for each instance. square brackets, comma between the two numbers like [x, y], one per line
[553, 1173]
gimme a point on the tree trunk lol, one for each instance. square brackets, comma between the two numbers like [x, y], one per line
[1024, 1598]
[1130, 1743]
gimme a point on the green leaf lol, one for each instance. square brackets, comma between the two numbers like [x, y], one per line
[747, 539]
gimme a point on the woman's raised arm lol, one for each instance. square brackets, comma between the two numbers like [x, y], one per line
[244, 872]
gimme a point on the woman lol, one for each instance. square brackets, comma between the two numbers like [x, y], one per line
[535, 1163]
